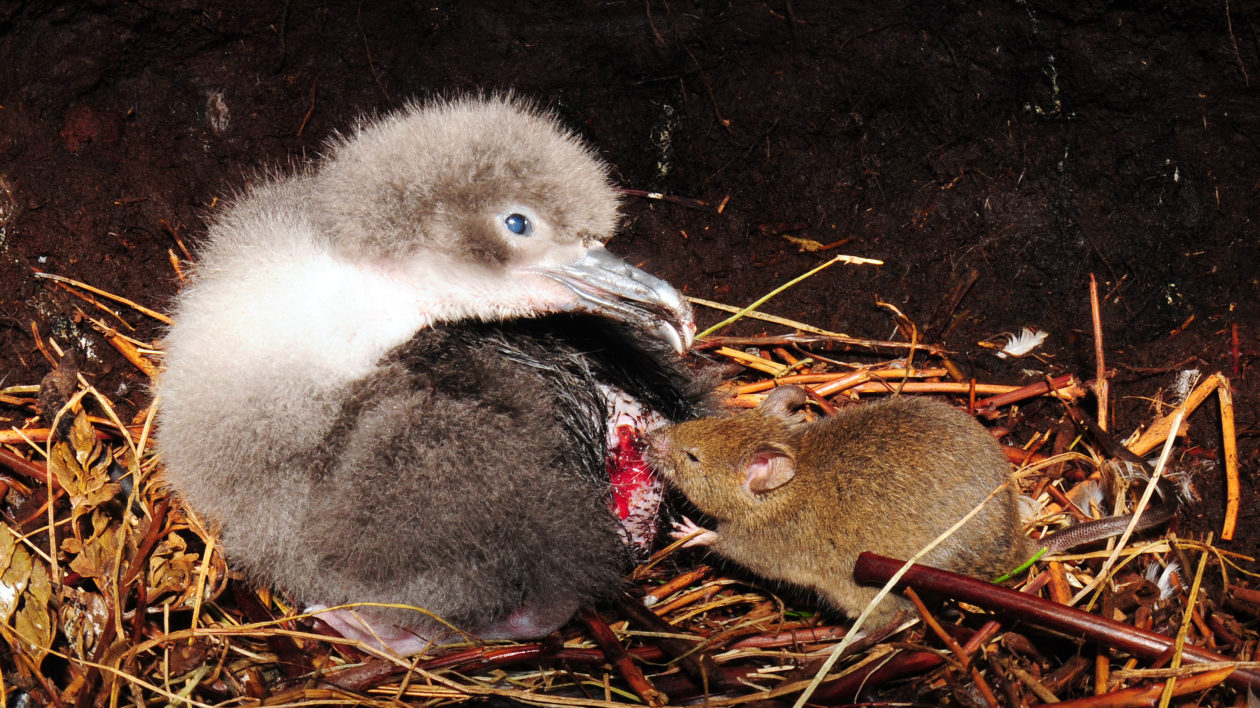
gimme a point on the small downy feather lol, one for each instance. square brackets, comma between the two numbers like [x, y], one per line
[1016, 345]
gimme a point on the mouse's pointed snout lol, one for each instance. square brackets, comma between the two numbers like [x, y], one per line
[658, 451]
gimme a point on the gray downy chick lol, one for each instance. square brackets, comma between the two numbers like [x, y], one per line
[390, 376]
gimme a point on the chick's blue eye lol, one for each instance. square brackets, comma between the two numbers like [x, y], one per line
[518, 224]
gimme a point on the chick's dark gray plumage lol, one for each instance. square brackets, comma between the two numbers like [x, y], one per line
[389, 378]
[529, 533]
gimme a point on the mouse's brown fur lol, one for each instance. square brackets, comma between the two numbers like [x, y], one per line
[798, 501]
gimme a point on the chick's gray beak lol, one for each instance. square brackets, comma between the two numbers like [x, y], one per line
[608, 286]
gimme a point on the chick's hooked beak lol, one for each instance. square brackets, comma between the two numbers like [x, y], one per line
[608, 286]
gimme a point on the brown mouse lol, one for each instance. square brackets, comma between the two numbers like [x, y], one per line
[798, 501]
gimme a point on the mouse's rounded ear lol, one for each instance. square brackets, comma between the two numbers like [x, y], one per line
[768, 469]
[786, 402]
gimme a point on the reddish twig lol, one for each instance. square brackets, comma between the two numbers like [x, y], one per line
[1229, 451]
[36, 471]
[700, 667]
[822, 402]
[876, 569]
[680, 201]
[853, 383]
[847, 687]
[938, 323]
[1020, 457]
[310, 109]
[1102, 654]
[1100, 374]
[1245, 594]
[293, 661]
[964, 658]
[1041, 388]
[1235, 355]
[1106, 440]
[669, 587]
[790, 637]
[617, 656]
[1069, 506]
[178, 241]
[1149, 695]
[150, 540]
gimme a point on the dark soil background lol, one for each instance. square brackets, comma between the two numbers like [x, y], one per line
[1034, 142]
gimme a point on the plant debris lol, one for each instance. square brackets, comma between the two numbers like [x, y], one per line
[111, 593]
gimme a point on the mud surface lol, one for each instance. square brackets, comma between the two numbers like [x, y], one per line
[1032, 143]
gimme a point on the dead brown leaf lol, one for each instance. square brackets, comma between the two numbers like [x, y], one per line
[16, 564]
[25, 595]
[172, 568]
[94, 557]
[81, 465]
[34, 619]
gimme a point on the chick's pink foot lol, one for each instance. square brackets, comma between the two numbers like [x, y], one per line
[377, 635]
[529, 621]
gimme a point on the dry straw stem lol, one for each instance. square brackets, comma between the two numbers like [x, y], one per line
[39, 344]
[1180, 644]
[1137, 513]
[9, 395]
[1229, 450]
[868, 372]
[1184, 671]
[1146, 696]
[853, 383]
[126, 346]
[113, 670]
[817, 336]
[116, 298]
[754, 362]
[89, 299]
[1164, 427]
[1160, 547]
[852, 260]
[785, 339]
[39, 436]
[717, 602]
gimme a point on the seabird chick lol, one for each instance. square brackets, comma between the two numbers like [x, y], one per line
[391, 376]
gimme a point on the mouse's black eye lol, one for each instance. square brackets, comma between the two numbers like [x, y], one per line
[691, 456]
[518, 224]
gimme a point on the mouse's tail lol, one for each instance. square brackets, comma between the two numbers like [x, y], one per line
[1105, 528]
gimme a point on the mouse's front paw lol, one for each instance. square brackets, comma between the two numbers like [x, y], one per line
[695, 534]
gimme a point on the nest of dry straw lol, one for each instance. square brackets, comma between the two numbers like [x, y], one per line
[111, 593]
